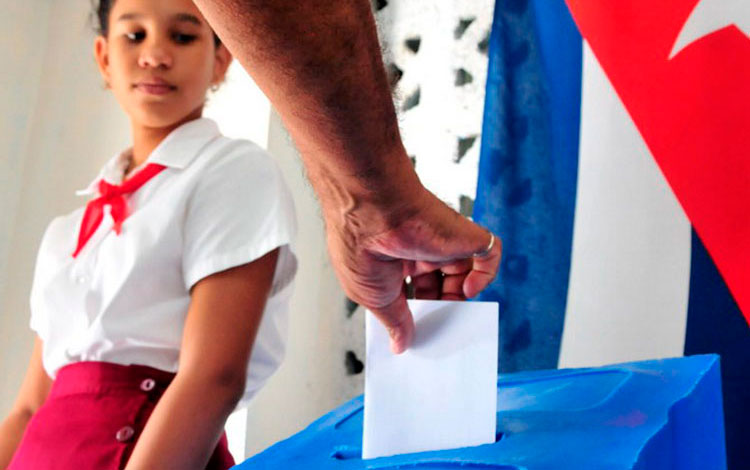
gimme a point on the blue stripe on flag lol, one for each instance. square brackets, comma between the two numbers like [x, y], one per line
[716, 325]
[528, 171]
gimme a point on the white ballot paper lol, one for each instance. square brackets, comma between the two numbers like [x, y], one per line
[442, 392]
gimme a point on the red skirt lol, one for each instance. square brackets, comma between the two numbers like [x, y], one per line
[93, 417]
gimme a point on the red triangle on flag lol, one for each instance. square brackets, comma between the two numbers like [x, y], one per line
[693, 111]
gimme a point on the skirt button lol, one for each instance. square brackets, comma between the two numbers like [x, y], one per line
[148, 384]
[125, 434]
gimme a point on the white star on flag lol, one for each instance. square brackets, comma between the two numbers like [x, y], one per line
[712, 15]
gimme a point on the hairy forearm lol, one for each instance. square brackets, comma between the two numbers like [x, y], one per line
[319, 63]
[11, 432]
[186, 424]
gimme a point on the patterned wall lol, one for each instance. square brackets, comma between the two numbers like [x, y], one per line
[436, 54]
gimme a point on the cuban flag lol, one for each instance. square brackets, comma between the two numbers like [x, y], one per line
[615, 166]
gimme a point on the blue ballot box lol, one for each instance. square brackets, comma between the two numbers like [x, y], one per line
[652, 415]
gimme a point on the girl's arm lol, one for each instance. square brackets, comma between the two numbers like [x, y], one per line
[224, 315]
[31, 396]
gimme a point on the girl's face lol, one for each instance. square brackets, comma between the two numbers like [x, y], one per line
[159, 58]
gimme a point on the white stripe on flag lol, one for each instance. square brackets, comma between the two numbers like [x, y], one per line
[630, 264]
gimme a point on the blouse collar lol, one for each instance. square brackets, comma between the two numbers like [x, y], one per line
[177, 150]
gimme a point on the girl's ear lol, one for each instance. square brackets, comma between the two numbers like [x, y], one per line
[101, 54]
[221, 63]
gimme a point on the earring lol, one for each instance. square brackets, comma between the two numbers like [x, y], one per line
[214, 88]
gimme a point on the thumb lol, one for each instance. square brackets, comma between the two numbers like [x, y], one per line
[398, 320]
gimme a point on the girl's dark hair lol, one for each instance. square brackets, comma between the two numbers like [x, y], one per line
[102, 9]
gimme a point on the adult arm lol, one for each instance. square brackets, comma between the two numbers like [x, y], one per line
[222, 321]
[319, 63]
[32, 394]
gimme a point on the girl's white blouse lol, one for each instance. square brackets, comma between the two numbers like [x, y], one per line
[219, 203]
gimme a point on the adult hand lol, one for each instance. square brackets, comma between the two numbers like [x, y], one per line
[375, 248]
[319, 63]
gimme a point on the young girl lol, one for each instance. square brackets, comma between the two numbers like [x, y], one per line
[148, 301]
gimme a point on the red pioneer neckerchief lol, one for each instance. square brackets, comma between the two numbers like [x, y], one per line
[114, 196]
